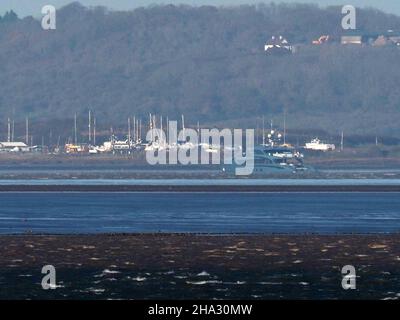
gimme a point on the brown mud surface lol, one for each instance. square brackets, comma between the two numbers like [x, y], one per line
[189, 266]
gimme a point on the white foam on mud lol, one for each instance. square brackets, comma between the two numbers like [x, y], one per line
[236, 283]
[96, 290]
[203, 282]
[170, 272]
[108, 271]
[139, 279]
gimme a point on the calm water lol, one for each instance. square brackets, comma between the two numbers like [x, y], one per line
[199, 212]
[205, 182]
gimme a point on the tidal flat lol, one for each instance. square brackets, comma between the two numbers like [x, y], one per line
[200, 266]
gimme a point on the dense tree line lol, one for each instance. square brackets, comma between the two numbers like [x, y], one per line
[206, 62]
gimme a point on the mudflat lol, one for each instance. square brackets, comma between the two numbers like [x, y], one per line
[200, 266]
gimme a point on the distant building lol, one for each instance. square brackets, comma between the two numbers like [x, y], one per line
[395, 40]
[278, 45]
[321, 40]
[352, 39]
[389, 39]
[377, 40]
[381, 41]
[13, 147]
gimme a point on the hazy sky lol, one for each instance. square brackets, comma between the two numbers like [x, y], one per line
[33, 7]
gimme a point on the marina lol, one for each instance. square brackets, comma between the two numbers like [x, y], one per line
[193, 152]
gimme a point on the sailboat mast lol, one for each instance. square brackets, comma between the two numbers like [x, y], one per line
[75, 130]
[342, 141]
[94, 131]
[140, 129]
[167, 135]
[12, 130]
[154, 122]
[284, 127]
[183, 126]
[151, 126]
[263, 132]
[134, 129]
[161, 126]
[8, 130]
[257, 133]
[27, 130]
[90, 126]
[129, 130]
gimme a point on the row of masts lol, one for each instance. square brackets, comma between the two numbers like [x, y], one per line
[135, 129]
[11, 130]
[265, 135]
[153, 125]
